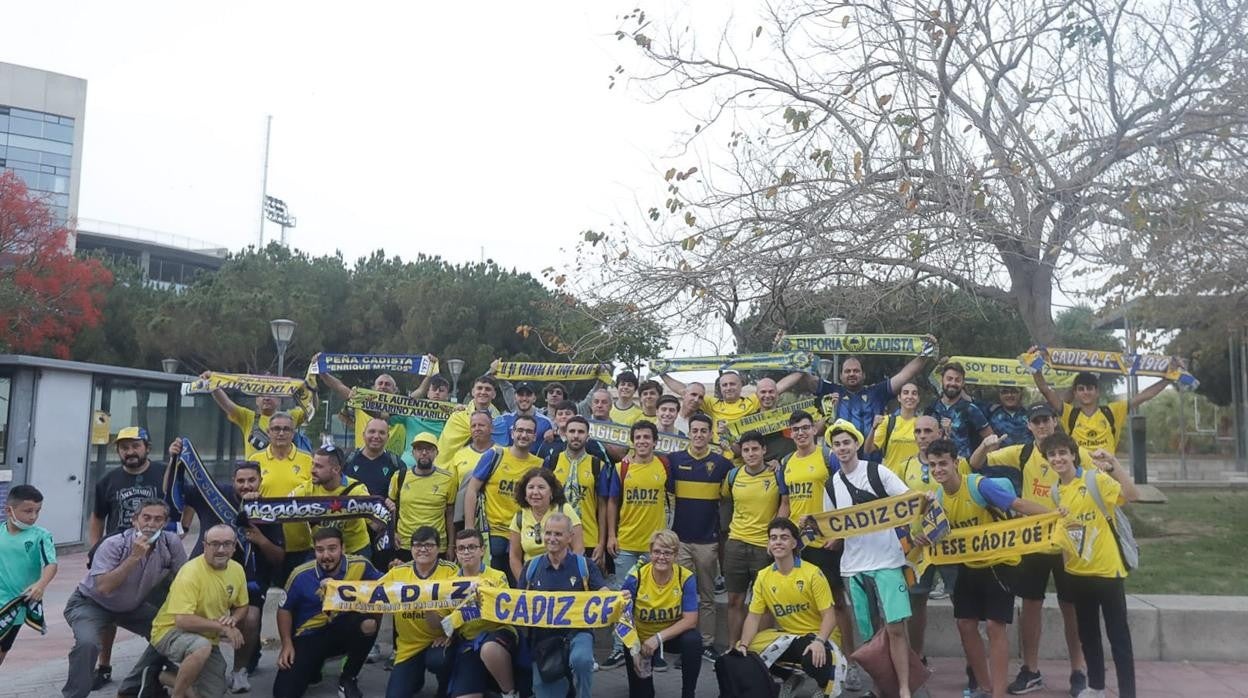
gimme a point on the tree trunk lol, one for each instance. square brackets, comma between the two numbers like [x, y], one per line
[1032, 291]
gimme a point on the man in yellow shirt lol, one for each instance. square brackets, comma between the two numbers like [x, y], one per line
[494, 482]
[588, 485]
[253, 424]
[457, 432]
[328, 481]
[797, 597]
[642, 511]
[283, 468]
[483, 650]
[626, 409]
[423, 495]
[207, 600]
[421, 643]
[756, 499]
[1091, 493]
[1091, 424]
[466, 459]
[1037, 480]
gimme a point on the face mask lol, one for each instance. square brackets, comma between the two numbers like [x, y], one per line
[19, 525]
[154, 537]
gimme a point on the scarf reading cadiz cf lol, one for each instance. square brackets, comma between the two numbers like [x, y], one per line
[1111, 362]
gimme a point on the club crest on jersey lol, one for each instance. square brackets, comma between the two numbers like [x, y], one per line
[801, 585]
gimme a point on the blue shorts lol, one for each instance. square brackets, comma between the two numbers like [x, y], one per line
[468, 673]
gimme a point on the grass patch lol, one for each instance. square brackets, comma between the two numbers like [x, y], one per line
[1191, 544]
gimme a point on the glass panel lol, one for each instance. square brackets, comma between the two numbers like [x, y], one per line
[57, 132]
[37, 116]
[55, 159]
[139, 405]
[5, 387]
[22, 155]
[26, 127]
[41, 144]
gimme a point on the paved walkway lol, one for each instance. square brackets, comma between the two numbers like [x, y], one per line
[36, 667]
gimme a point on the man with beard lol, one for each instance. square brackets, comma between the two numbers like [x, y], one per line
[328, 481]
[253, 424]
[261, 559]
[422, 496]
[457, 432]
[309, 635]
[564, 412]
[420, 641]
[207, 601]
[690, 404]
[372, 464]
[526, 399]
[588, 485]
[118, 590]
[1008, 416]
[117, 497]
[494, 479]
[960, 418]
[858, 403]
[358, 418]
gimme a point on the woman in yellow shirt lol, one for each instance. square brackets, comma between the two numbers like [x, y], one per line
[665, 612]
[894, 434]
[539, 495]
[1097, 571]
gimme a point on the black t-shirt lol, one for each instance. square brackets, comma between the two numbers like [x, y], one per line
[118, 494]
[261, 572]
[373, 472]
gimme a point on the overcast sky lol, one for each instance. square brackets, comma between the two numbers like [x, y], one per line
[444, 128]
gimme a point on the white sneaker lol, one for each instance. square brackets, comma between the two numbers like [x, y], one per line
[374, 654]
[853, 678]
[239, 682]
[1092, 693]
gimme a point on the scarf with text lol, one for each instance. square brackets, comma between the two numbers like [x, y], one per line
[902, 511]
[401, 405]
[879, 344]
[1002, 373]
[324, 511]
[537, 371]
[1000, 540]
[256, 386]
[21, 610]
[1111, 362]
[773, 420]
[189, 471]
[390, 363]
[614, 434]
[362, 596]
[546, 609]
[786, 361]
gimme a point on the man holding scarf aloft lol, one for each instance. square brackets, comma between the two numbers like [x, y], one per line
[254, 424]
[984, 591]
[665, 611]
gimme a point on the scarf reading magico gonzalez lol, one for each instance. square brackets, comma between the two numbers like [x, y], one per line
[538, 371]
[401, 405]
[613, 434]
[778, 361]
[881, 344]
[1111, 362]
[256, 386]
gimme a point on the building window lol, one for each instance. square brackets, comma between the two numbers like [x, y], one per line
[6, 384]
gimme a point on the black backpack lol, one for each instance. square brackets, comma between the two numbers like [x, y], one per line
[1109, 419]
[744, 677]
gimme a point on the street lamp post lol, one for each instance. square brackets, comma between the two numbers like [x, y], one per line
[283, 331]
[835, 326]
[169, 365]
[457, 369]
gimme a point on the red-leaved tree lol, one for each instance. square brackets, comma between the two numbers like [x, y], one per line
[47, 295]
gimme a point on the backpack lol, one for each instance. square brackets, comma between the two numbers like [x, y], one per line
[874, 481]
[1109, 418]
[581, 567]
[888, 433]
[1120, 525]
[744, 676]
[497, 452]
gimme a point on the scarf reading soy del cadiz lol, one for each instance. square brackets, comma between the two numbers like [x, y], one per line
[537, 371]
[256, 386]
[1111, 362]
[614, 434]
[1003, 373]
[323, 509]
[401, 405]
[363, 596]
[772, 361]
[773, 420]
[1000, 540]
[904, 510]
[881, 344]
[393, 363]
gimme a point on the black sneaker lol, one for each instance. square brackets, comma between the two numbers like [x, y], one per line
[1026, 682]
[103, 677]
[1078, 682]
[659, 664]
[149, 682]
[709, 654]
[616, 658]
[348, 688]
[720, 586]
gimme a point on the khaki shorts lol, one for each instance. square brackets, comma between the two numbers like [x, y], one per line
[742, 562]
[177, 644]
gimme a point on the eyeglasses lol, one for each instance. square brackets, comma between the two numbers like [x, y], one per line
[219, 544]
[802, 428]
[280, 429]
[467, 548]
[424, 545]
[524, 430]
[659, 552]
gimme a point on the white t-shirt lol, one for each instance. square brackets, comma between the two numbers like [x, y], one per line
[871, 551]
